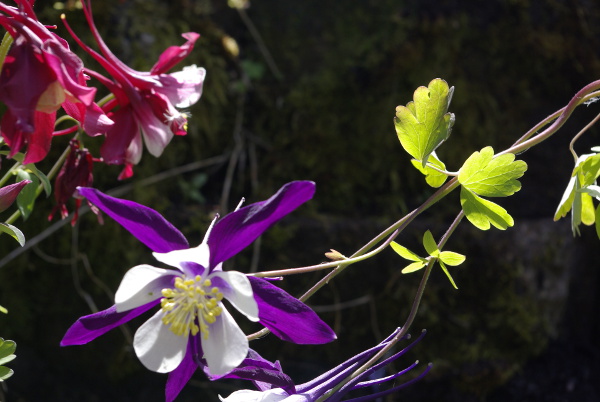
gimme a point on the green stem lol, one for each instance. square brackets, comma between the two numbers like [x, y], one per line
[9, 174]
[53, 171]
[409, 320]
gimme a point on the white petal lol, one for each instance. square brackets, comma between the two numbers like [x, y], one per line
[199, 255]
[239, 293]
[157, 347]
[245, 395]
[142, 284]
[226, 346]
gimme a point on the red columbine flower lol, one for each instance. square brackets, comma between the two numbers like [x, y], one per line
[76, 171]
[147, 101]
[39, 75]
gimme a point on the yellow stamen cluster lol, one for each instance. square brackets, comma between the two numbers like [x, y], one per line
[191, 306]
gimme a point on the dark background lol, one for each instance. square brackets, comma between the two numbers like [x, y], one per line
[318, 104]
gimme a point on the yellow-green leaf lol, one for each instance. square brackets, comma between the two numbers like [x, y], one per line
[415, 266]
[404, 252]
[423, 124]
[451, 258]
[481, 213]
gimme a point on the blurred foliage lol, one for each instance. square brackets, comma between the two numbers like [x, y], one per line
[345, 66]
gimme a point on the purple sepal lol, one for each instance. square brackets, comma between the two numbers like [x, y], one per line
[264, 374]
[89, 327]
[144, 223]
[287, 317]
[180, 376]
[237, 230]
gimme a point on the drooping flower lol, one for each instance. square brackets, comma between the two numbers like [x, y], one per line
[147, 101]
[320, 386]
[39, 75]
[75, 172]
[192, 326]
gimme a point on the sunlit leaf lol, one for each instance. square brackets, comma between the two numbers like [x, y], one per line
[13, 231]
[433, 177]
[481, 213]
[448, 275]
[430, 244]
[423, 124]
[415, 266]
[404, 252]
[451, 258]
[491, 177]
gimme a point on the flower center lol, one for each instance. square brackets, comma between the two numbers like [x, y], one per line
[191, 306]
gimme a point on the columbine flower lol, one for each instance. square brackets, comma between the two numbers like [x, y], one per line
[147, 101]
[75, 172]
[192, 326]
[317, 388]
[39, 75]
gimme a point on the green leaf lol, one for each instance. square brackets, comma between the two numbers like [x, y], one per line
[3, 310]
[43, 178]
[7, 347]
[589, 170]
[404, 252]
[415, 266]
[588, 214]
[481, 213]
[423, 124]
[6, 359]
[5, 373]
[430, 244]
[13, 231]
[27, 196]
[451, 258]
[448, 275]
[566, 202]
[491, 177]
[433, 177]
[598, 221]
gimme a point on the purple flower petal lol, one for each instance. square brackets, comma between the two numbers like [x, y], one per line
[287, 317]
[240, 228]
[91, 326]
[144, 223]
[180, 376]
[263, 373]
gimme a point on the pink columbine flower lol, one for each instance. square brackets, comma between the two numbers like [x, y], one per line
[145, 108]
[39, 75]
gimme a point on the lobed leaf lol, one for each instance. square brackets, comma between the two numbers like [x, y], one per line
[481, 213]
[490, 176]
[432, 176]
[423, 124]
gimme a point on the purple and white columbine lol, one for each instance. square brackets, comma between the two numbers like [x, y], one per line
[320, 386]
[192, 327]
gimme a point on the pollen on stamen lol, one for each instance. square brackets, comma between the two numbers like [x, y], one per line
[191, 306]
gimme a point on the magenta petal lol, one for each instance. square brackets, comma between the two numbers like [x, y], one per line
[180, 376]
[91, 326]
[150, 227]
[287, 317]
[8, 194]
[237, 230]
[174, 54]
